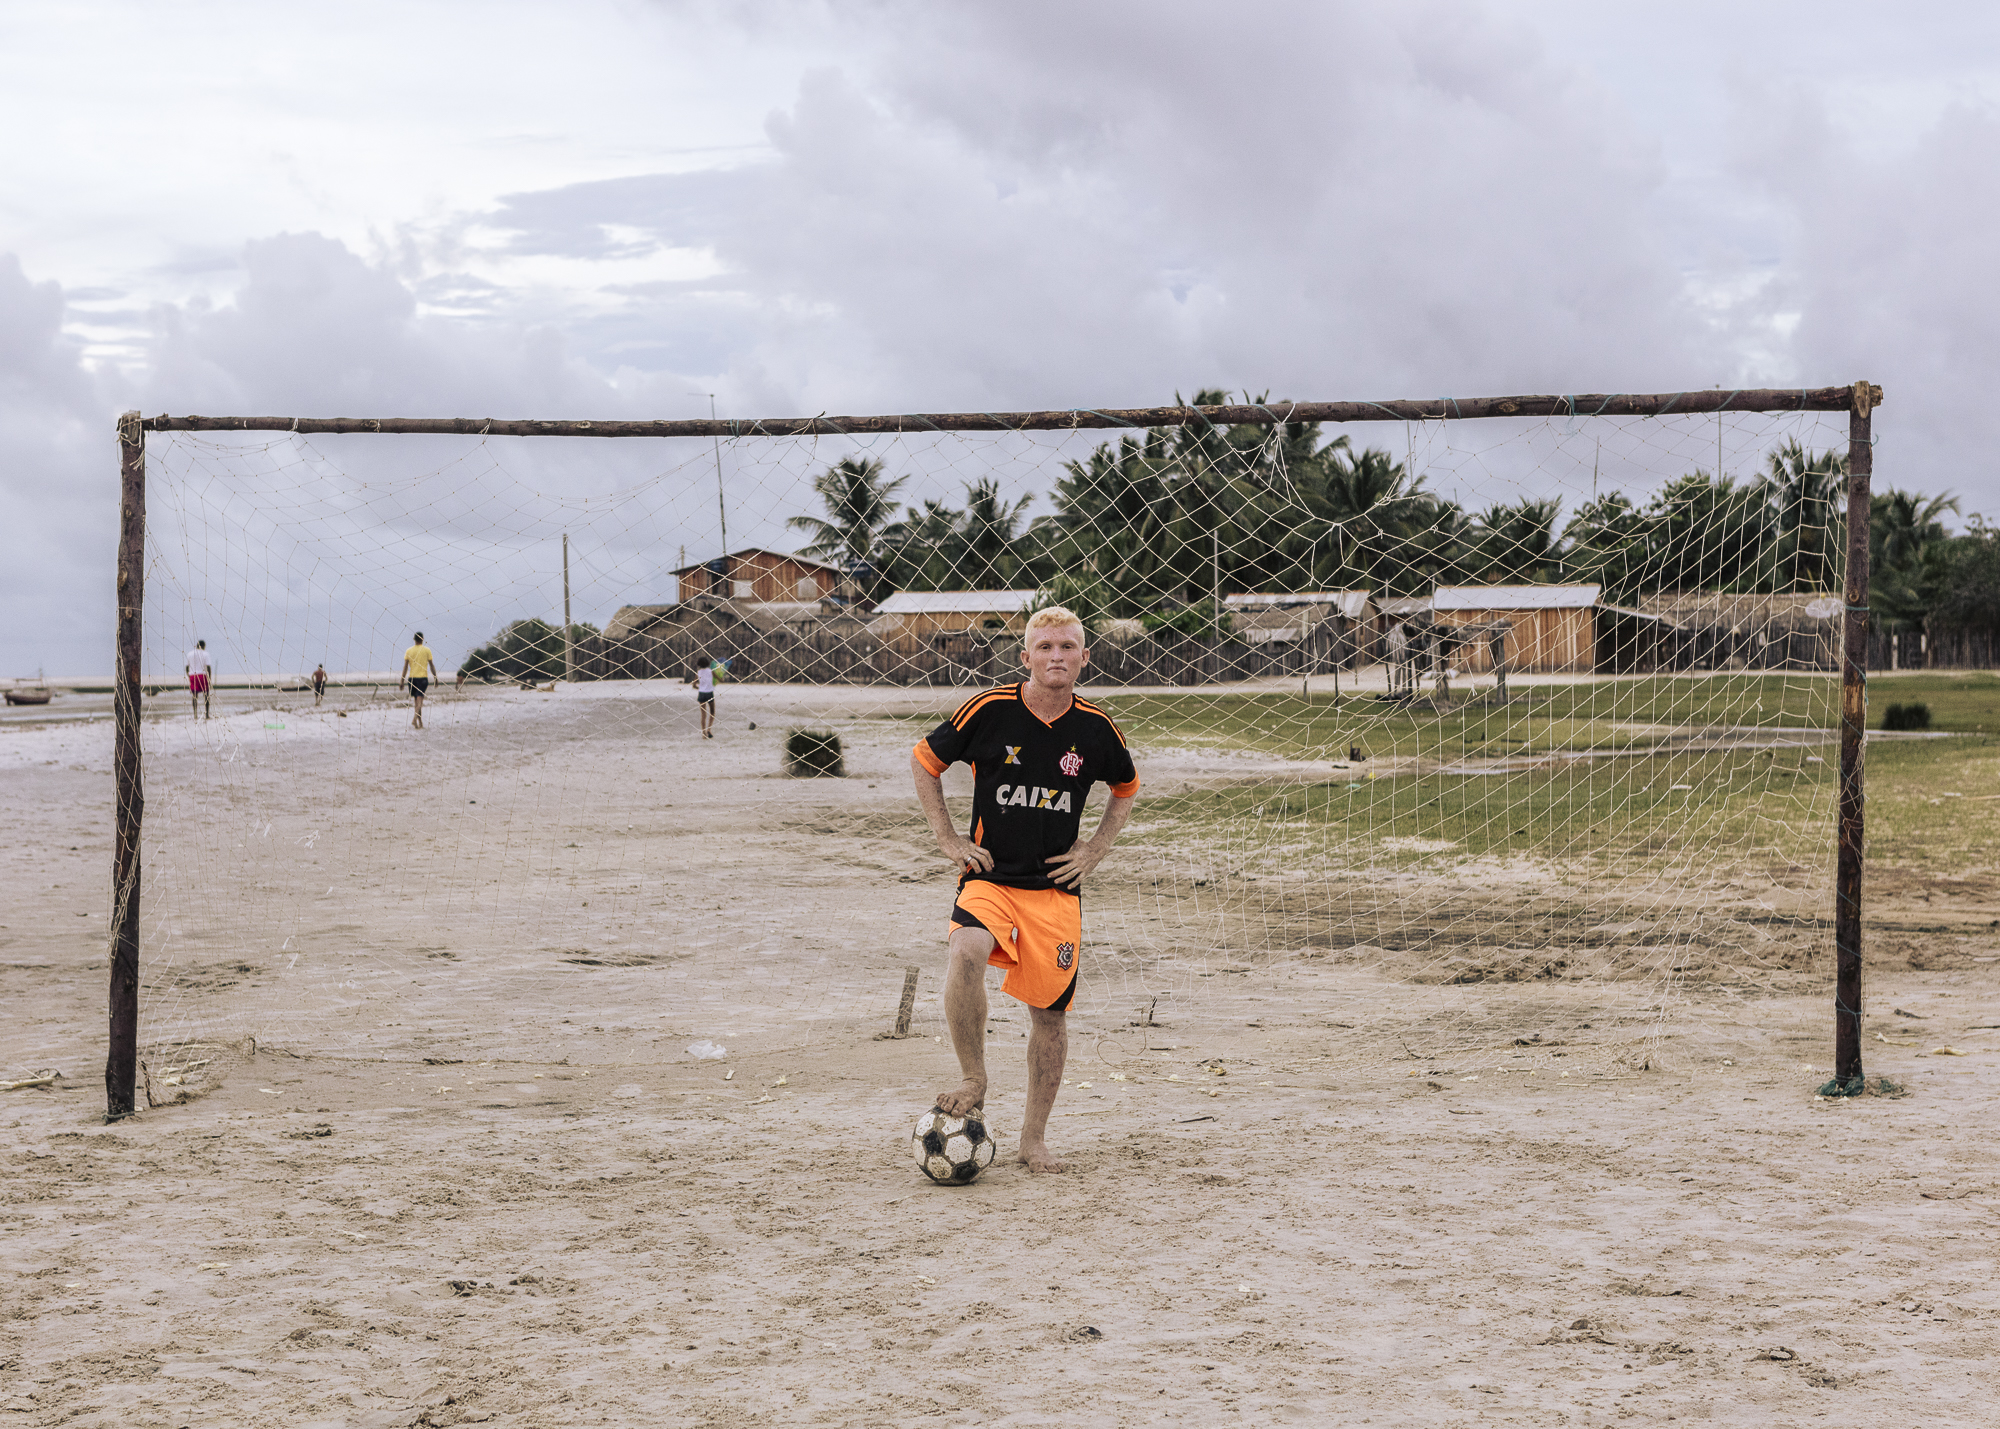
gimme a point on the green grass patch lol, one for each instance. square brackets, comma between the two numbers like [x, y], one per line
[1967, 703]
[1926, 797]
[1540, 719]
[1934, 802]
[1728, 807]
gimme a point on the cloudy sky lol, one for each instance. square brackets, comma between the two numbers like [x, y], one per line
[608, 207]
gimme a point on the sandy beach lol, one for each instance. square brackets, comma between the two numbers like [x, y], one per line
[451, 1151]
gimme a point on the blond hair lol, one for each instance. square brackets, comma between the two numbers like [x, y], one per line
[1054, 615]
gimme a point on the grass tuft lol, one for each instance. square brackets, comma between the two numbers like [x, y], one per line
[814, 754]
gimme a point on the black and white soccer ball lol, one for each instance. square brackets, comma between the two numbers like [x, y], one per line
[952, 1150]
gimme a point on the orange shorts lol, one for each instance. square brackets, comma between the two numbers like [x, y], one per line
[1037, 936]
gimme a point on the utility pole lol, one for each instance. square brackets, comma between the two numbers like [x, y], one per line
[569, 639]
[721, 509]
[1215, 577]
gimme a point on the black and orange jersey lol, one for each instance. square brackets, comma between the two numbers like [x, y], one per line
[1029, 778]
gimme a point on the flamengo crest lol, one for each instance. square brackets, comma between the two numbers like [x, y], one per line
[1071, 764]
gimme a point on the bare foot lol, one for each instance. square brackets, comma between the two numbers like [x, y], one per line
[964, 1099]
[1037, 1157]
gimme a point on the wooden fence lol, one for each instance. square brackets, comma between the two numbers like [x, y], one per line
[783, 657]
[1940, 650]
[1626, 647]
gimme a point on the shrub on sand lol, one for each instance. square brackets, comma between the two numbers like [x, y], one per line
[814, 754]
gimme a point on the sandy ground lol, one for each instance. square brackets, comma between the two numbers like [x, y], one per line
[472, 1173]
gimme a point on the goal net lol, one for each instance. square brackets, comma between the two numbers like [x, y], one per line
[1421, 708]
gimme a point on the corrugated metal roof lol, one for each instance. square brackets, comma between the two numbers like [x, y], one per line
[1642, 615]
[1403, 605]
[1268, 624]
[1351, 603]
[747, 551]
[1715, 608]
[1302, 597]
[1515, 597]
[956, 602]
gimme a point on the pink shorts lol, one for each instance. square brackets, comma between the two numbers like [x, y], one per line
[198, 684]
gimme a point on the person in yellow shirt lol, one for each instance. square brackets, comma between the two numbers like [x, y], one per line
[418, 662]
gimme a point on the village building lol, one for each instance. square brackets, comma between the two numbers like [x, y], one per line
[1717, 631]
[1338, 627]
[1402, 609]
[1258, 617]
[1550, 628]
[755, 573]
[950, 621]
[777, 640]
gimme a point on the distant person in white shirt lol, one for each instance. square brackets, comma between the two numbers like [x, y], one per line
[704, 694]
[199, 668]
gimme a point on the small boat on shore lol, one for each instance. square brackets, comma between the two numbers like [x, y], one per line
[24, 693]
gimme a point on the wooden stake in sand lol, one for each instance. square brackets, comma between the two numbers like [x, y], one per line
[905, 1009]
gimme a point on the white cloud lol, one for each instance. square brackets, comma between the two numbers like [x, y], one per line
[919, 207]
[58, 486]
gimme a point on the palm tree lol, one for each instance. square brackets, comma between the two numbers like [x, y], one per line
[1518, 542]
[1607, 546]
[988, 535]
[1908, 557]
[859, 504]
[1804, 486]
[1902, 524]
[1708, 533]
[918, 549]
[1371, 505]
[1113, 513]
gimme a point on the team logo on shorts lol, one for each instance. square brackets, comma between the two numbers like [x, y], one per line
[1065, 955]
[1072, 764]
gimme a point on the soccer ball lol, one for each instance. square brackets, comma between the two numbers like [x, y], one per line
[952, 1150]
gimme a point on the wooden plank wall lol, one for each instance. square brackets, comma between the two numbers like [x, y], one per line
[782, 657]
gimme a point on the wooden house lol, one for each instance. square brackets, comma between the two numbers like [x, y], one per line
[1339, 626]
[1259, 617]
[1403, 609]
[1716, 631]
[815, 642]
[1536, 627]
[760, 575]
[949, 619]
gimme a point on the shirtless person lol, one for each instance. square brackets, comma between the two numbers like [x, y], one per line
[1035, 749]
[319, 683]
[417, 664]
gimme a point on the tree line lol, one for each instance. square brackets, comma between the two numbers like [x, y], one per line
[1148, 526]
